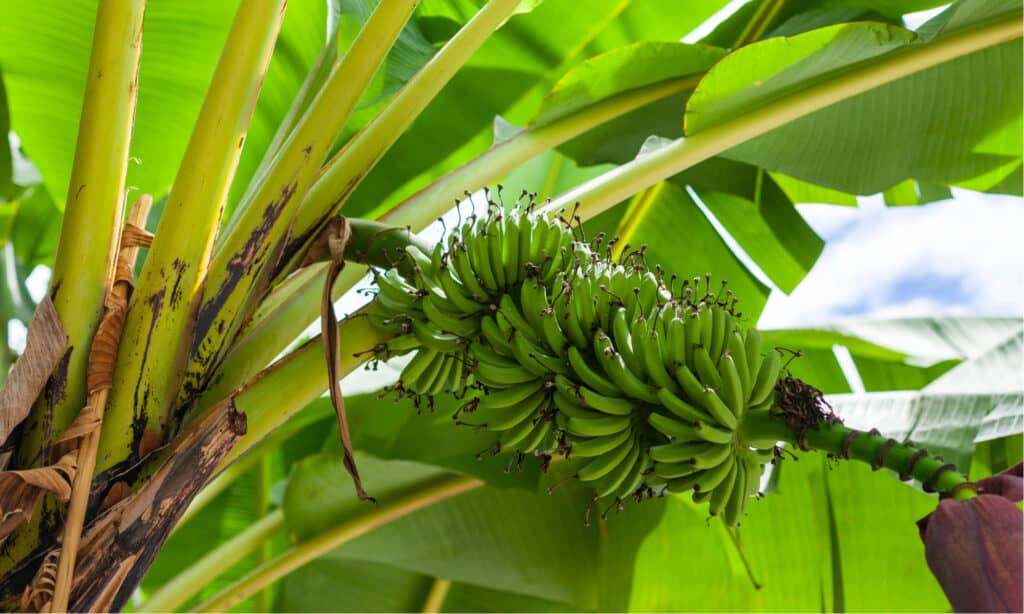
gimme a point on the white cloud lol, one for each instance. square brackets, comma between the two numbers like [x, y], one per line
[959, 257]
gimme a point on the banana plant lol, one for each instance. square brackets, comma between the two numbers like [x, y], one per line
[288, 150]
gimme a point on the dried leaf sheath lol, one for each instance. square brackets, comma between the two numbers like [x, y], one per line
[102, 355]
[334, 239]
[44, 347]
[21, 491]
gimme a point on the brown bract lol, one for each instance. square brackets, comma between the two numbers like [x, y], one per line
[975, 548]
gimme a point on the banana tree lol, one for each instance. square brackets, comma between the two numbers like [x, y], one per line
[272, 154]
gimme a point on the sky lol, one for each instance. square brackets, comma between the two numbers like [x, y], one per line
[957, 257]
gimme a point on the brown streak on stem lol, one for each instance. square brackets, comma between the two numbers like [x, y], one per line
[121, 543]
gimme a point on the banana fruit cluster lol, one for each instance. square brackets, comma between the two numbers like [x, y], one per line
[561, 348]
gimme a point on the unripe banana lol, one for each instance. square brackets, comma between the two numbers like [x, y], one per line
[561, 347]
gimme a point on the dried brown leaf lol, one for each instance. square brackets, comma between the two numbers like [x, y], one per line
[39, 593]
[44, 347]
[21, 491]
[336, 237]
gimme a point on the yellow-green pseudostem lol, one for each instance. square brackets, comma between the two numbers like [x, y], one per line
[344, 172]
[151, 358]
[89, 241]
[233, 283]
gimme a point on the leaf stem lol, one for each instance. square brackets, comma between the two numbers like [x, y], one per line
[617, 185]
[93, 213]
[763, 19]
[90, 238]
[343, 173]
[422, 496]
[239, 272]
[170, 285]
[178, 590]
[436, 595]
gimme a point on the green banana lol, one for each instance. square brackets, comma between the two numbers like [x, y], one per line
[617, 476]
[681, 408]
[732, 386]
[720, 496]
[767, 376]
[447, 321]
[617, 371]
[706, 369]
[600, 466]
[714, 476]
[623, 343]
[504, 418]
[671, 471]
[512, 395]
[719, 330]
[595, 427]
[467, 275]
[616, 406]
[702, 455]
[589, 376]
[736, 348]
[596, 446]
[436, 339]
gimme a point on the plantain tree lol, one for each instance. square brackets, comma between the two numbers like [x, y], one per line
[197, 175]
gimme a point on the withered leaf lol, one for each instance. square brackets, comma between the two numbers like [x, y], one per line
[44, 347]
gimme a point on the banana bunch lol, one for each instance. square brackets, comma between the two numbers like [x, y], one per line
[561, 348]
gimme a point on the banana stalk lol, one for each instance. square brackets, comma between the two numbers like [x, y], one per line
[342, 174]
[161, 317]
[238, 274]
[89, 240]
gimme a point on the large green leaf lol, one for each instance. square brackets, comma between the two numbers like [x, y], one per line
[509, 72]
[880, 138]
[44, 50]
[352, 586]
[401, 431]
[335, 585]
[516, 541]
[623, 69]
[799, 550]
[755, 212]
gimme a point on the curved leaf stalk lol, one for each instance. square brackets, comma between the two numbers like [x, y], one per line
[421, 496]
[238, 271]
[318, 74]
[344, 172]
[617, 185]
[763, 19]
[435, 598]
[89, 240]
[908, 460]
[179, 589]
[295, 304]
[90, 232]
[161, 316]
[99, 388]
